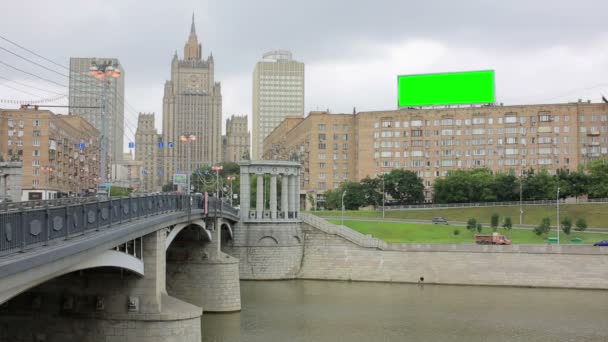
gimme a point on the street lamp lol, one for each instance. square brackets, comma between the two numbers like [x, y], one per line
[521, 209]
[188, 138]
[105, 72]
[230, 179]
[343, 194]
[558, 215]
[383, 197]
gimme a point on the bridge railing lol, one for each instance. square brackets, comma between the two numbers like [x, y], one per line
[25, 228]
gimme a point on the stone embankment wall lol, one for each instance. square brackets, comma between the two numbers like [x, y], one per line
[333, 252]
[267, 250]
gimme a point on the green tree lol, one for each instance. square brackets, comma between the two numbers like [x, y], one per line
[372, 191]
[479, 227]
[539, 186]
[506, 187]
[566, 224]
[169, 187]
[404, 186]
[507, 224]
[581, 224]
[494, 221]
[544, 227]
[472, 225]
[312, 199]
[598, 178]
[120, 191]
[353, 199]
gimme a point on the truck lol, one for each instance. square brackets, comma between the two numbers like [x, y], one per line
[492, 239]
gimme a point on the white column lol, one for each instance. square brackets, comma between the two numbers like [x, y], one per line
[292, 192]
[245, 192]
[285, 195]
[259, 198]
[297, 205]
[273, 196]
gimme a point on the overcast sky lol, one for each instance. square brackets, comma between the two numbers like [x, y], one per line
[543, 51]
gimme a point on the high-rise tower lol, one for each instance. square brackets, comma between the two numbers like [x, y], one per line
[192, 105]
[278, 91]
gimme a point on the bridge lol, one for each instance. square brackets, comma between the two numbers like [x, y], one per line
[115, 269]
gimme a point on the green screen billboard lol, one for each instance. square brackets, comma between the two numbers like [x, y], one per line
[451, 88]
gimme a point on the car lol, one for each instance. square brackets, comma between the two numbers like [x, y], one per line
[601, 243]
[439, 219]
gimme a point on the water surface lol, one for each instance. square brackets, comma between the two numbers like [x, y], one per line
[302, 310]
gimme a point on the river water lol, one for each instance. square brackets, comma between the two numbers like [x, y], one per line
[302, 310]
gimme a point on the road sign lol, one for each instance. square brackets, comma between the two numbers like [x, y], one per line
[179, 178]
[131, 145]
[81, 146]
[144, 172]
[160, 172]
[170, 144]
[161, 144]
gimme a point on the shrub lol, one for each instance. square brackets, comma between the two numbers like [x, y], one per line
[456, 232]
[581, 224]
[566, 225]
[479, 227]
[494, 221]
[508, 224]
[543, 227]
[471, 224]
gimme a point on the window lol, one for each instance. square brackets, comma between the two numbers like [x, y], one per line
[479, 121]
[322, 146]
[511, 151]
[386, 154]
[36, 133]
[415, 123]
[321, 165]
[511, 119]
[35, 162]
[321, 185]
[448, 132]
[36, 123]
[322, 136]
[446, 122]
[479, 131]
[544, 118]
[387, 124]
[345, 146]
[447, 162]
[321, 155]
[35, 182]
[322, 175]
[321, 127]
[36, 153]
[417, 153]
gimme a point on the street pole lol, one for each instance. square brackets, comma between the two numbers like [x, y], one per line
[521, 209]
[558, 215]
[343, 194]
[383, 197]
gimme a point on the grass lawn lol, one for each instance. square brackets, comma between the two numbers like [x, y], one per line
[595, 214]
[431, 233]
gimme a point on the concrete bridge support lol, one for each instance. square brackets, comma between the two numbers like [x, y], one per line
[200, 273]
[104, 304]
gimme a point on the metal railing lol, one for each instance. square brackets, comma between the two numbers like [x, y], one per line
[485, 204]
[25, 228]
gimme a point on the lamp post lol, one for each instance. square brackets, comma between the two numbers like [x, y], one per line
[105, 72]
[343, 194]
[230, 179]
[521, 209]
[558, 215]
[383, 197]
[188, 138]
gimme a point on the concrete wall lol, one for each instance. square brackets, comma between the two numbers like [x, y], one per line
[267, 250]
[330, 256]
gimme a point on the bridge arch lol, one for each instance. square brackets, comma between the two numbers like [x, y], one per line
[181, 226]
[109, 258]
[227, 226]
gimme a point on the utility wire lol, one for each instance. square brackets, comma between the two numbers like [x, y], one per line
[33, 53]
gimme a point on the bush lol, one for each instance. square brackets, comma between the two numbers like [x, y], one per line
[543, 227]
[508, 224]
[566, 225]
[479, 227]
[494, 221]
[471, 224]
[581, 224]
[456, 232]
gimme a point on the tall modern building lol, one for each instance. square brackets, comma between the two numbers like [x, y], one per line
[147, 153]
[86, 91]
[278, 91]
[192, 105]
[236, 141]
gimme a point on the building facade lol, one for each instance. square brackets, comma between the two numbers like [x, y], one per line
[278, 91]
[236, 142]
[60, 153]
[432, 142]
[128, 174]
[87, 91]
[192, 105]
[10, 181]
[147, 152]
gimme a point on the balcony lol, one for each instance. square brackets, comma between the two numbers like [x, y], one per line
[593, 133]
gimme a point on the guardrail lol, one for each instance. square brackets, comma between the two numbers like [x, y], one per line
[342, 231]
[24, 228]
[485, 204]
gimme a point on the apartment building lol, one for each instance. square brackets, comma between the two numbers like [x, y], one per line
[433, 141]
[236, 141]
[60, 153]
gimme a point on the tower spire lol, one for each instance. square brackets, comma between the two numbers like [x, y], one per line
[192, 28]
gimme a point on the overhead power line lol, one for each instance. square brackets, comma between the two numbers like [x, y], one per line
[33, 53]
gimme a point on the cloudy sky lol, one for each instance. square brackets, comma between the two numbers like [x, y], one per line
[543, 51]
